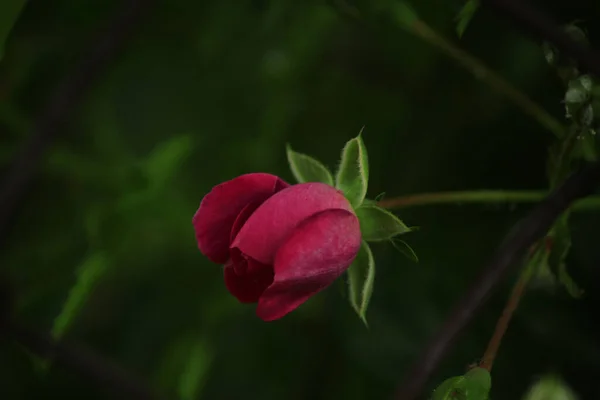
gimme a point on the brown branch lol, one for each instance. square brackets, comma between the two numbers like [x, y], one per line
[502, 325]
[62, 104]
[523, 235]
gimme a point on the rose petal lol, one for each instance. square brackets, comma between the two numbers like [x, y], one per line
[271, 224]
[219, 209]
[248, 287]
[319, 250]
[242, 217]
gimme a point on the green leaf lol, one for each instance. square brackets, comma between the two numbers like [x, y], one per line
[9, 13]
[450, 389]
[361, 276]
[478, 383]
[352, 177]
[405, 249]
[474, 385]
[307, 169]
[550, 388]
[465, 16]
[378, 224]
[88, 275]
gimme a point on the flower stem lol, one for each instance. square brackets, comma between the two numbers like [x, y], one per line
[481, 197]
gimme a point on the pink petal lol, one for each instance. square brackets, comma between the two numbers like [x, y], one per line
[219, 209]
[249, 285]
[271, 224]
[316, 254]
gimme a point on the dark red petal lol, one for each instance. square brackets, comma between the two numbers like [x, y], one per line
[316, 254]
[271, 224]
[242, 217]
[248, 287]
[220, 208]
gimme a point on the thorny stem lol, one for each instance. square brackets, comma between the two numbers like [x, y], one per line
[481, 197]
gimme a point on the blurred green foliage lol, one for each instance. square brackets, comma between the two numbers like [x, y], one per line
[103, 249]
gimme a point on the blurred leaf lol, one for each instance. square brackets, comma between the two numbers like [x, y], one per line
[307, 169]
[538, 262]
[550, 388]
[361, 277]
[88, 275]
[405, 249]
[9, 13]
[166, 159]
[199, 359]
[378, 224]
[352, 177]
[568, 282]
[465, 16]
[403, 13]
[184, 366]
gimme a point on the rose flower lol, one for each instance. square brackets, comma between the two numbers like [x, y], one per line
[280, 243]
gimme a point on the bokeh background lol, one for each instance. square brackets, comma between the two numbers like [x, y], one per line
[208, 90]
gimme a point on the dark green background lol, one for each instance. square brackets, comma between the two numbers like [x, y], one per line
[209, 90]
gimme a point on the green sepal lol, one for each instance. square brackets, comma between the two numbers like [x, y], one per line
[352, 176]
[405, 249]
[378, 224]
[307, 169]
[361, 277]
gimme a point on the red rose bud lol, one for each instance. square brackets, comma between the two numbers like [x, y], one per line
[280, 243]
